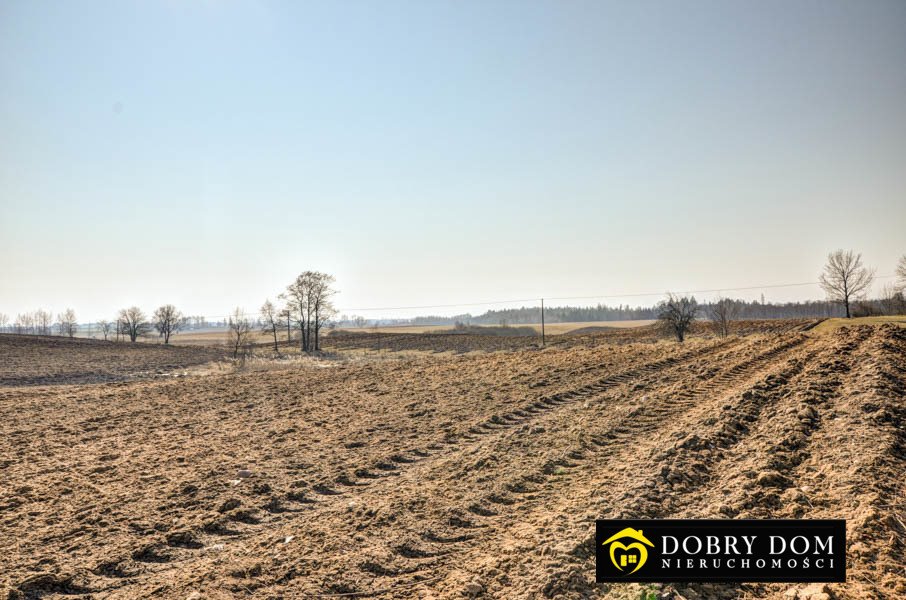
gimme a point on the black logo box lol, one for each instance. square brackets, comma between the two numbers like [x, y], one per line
[832, 569]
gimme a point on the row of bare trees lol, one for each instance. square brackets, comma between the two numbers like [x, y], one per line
[41, 322]
[132, 323]
[844, 279]
[677, 313]
[307, 308]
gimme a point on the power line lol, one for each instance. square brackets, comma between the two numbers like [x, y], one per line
[735, 289]
[436, 305]
[623, 295]
[558, 298]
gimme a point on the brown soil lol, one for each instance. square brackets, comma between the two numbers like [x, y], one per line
[40, 360]
[450, 476]
[587, 336]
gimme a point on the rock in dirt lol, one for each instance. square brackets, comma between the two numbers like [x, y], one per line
[473, 589]
[817, 591]
[772, 479]
[229, 505]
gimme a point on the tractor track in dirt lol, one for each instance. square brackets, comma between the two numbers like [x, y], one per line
[236, 524]
[428, 548]
[462, 526]
[694, 472]
[592, 460]
[469, 525]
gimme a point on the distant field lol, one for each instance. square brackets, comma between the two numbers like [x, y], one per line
[196, 338]
[549, 328]
[215, 338]
[834, 324]
[201, 338]
[49, 360]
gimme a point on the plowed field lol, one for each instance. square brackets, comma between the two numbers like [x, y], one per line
[450, 476]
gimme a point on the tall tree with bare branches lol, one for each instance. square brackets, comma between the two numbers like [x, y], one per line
[901, 273]
[270, 320]
[134, 323]
[105, 327]
[167, 321]
[722, 312]
[892, 300]
[309, 297]
[239, 330]
[676, 315]
[323, 291]
[4, 320]
[43, 321]
[24, 323]
[68, 324]
[298, 297]
[845, 278]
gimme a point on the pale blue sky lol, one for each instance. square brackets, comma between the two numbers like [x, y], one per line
[203, 153]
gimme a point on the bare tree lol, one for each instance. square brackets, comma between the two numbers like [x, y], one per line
[677, 314]
[298, 297]
[105, 327]
[68, 324]
[134, 323]
[722, 312]
[309, 297]
[322, 291]
[359, 321]
[892, 300]
[270, 320]
[4, 320]
[167, 321]
[23, 323]
[239, 331]
[901, 274]
[43, 321]
[845, 279]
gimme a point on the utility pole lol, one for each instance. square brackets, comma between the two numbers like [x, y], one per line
[542, 322]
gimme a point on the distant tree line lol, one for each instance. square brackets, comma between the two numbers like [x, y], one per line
[845, 281]
[42, 322]
[307, 308]
[576, 314]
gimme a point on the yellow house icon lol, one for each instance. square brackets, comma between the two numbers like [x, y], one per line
[627, 559]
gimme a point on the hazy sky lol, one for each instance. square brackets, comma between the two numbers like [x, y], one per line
[426, 152]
